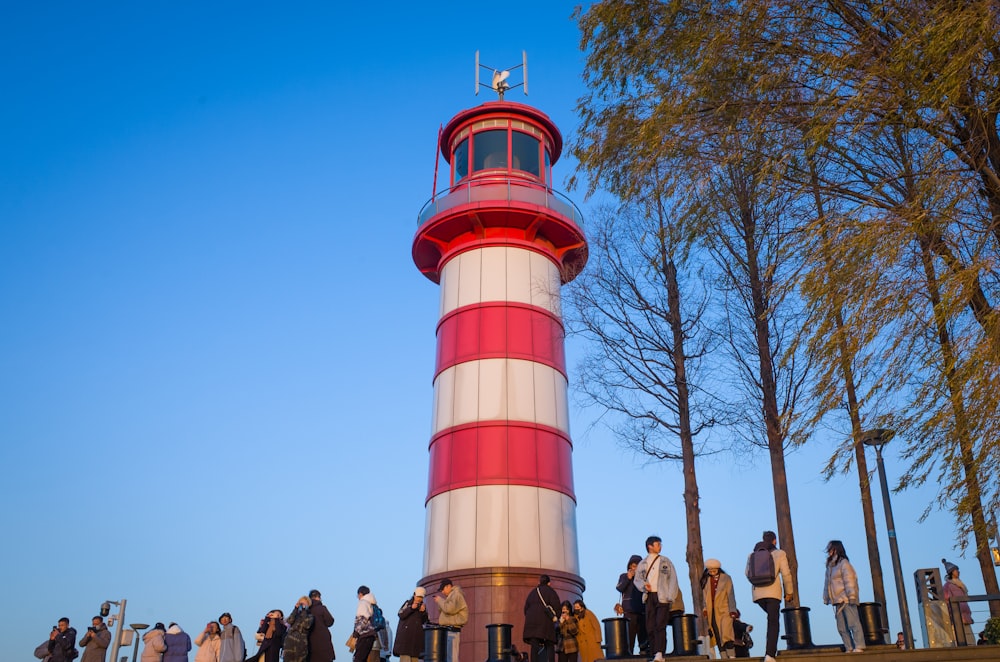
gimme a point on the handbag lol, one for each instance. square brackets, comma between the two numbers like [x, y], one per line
[352, 642]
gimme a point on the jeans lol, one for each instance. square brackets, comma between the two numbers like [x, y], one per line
[452, 645]
[849, 626]
[772, 606]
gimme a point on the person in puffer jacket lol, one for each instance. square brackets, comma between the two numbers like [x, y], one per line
[153, 645]
[840, 589]
[178, 644]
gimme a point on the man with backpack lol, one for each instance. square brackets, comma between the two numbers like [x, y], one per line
[768, 571]
[367, 621]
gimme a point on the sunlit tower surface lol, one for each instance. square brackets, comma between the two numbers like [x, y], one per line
[500, 242]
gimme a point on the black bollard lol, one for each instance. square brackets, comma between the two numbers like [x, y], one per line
[797, 632]
[616, 639]
[685, 627]
[498, 642]
[870, 614]
[435, 643]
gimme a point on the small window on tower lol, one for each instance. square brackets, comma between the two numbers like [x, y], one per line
[489, 150]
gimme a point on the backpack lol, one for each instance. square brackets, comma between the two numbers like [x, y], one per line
[760, 567]
[378, 619]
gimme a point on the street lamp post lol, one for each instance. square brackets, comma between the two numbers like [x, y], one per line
[138, 628]
[878, 438]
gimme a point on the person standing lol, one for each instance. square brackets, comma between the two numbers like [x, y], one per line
[232, 648]
[153, 645]
[178, 644]
[840, 589]
[454, 614]
[62, 642]
[208, 643]
[568, 629]
[272, 636]
[300, 622]
[954, 587]
[656, 578]
[364, 629]
[409, 644]
[743, 640]
[320, 641]
[541, 621]
[720, 606]
[96, 641]
[631, 607]
[588, 636]
[768, 597]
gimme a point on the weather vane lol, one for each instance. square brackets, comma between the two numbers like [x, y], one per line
[499, 82]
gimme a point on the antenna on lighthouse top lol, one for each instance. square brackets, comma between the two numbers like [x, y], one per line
[498, 82]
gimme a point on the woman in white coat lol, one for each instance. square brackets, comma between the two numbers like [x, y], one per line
[208, 643]
[840, 589]
[720, 606]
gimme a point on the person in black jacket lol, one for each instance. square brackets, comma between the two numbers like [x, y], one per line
[541, 619]
[62, 642]
[320, 641]
[409, 644]
[273, 628]
[631, 607]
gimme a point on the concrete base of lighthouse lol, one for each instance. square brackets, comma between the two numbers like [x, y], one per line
[497, 595]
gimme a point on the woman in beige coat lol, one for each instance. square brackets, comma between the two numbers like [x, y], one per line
[720, 607]
[588, 636]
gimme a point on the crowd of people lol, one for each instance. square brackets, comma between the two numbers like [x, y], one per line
[565, 630]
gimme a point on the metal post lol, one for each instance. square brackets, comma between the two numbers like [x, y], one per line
[904, 610]
[118, 630]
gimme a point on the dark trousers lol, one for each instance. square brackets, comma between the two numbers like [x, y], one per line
[772, 606]
[657, 619]
[540, 650]
[636, 631]
[363, 648]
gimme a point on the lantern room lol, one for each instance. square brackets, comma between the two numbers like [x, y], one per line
[490, 140]
[500, 190]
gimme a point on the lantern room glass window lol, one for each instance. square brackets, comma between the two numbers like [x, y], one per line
[460, 160]
[489, 150]
[524, 153]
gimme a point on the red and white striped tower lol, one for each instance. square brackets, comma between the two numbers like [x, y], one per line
[500, 503]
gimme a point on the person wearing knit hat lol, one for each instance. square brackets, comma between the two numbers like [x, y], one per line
[631, 607]
[409, 643]
[720, 607]
[954, 587]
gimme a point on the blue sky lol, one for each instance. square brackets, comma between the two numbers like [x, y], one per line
[216, 353]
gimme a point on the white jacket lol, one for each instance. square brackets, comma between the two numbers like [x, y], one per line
[782, 578]
[208, 647]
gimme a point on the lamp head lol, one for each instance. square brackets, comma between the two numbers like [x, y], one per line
[105, 608]
[877, 437]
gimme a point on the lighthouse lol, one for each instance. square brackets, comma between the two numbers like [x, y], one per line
[500, 241]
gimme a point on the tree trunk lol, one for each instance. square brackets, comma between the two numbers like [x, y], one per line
[973, 493]
[772, 419]
[692, 510]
